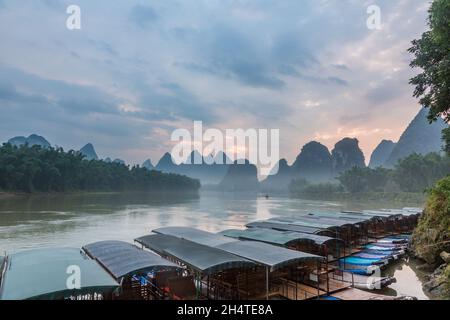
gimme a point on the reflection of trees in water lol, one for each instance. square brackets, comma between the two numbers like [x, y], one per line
[93, 201]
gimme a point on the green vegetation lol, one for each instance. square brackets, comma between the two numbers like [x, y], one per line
[36, 169]
[358, 180]
[409, 179]
[432, 235]
[446, 280]
[301, 187]
[432, 55]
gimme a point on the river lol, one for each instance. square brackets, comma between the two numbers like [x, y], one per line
[73, 220]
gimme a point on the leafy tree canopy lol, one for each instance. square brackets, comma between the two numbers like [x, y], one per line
[432, 55]
[36, 169]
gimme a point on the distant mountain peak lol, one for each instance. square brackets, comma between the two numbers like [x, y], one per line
[381, 153]
[281, 167]
[32, 140]
[89, 152]
[222, 158]
[148, 164]
[167, 164]
[346, 155]
[240, 177]
[194, 158]
[165, 159]
[419, 137]
[313, 163]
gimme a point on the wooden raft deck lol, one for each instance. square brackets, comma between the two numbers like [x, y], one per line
[336, 285]
[356, 294]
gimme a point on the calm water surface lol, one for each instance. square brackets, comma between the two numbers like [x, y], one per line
[79, 219]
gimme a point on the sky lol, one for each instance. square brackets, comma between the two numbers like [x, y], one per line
[137, 70]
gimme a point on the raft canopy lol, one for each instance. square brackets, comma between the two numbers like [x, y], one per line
[315, 222]
[202, 258]
[124, 259]
[194, 235]
[44, 274]
[282, 238]
[284, 227]
[258, 252]
[340, 216]
[302, 222]
[268, 255]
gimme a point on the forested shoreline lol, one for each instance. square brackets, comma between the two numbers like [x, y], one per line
[408, 180]
[34, 169]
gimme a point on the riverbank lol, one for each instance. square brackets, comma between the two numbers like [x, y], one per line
[9, 195]
[431, 239]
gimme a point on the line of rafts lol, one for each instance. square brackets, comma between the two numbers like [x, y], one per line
[312, 256]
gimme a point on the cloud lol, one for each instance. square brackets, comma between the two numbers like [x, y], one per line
[143, 15]
[383, 92]
[136, 71]
[172, 102]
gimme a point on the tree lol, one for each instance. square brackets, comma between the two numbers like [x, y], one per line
[416, 173]
[36, 169]
[432, 55]
[364, 179]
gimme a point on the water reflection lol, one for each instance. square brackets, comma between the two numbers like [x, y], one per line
[409, 279]
[76, 219]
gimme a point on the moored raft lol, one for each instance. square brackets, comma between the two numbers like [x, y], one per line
[387, 249]
[361, 261]
[280, 271]
[143, 274]
[44, 274]
[366, 282]
[366, 255]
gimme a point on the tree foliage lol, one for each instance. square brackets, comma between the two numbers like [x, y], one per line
[413, 174]
[432, 235]
[432, 55]
[36, 169]
[364, 179]
[417, 172]
[304, 187]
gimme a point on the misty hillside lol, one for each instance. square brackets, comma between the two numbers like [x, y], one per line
[419, 137]
[313, 163]
[280, 179]
[381, 153]
[209, 170]
[346, 155]
[240, 177]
